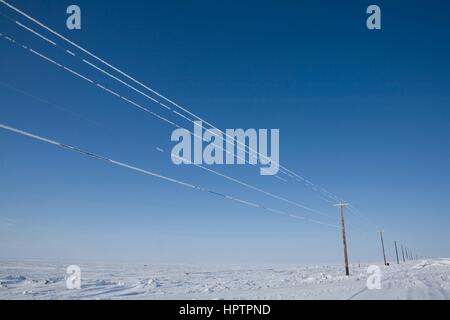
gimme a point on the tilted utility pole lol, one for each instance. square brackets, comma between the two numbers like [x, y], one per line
[403, 254]
[342, 206]
[396, 252]
[382, 246]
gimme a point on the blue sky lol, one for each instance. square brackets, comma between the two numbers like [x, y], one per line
[364, 114]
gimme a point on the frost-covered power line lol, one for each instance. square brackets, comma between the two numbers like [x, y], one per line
[284, 170]
[157, 175]
[142, 108]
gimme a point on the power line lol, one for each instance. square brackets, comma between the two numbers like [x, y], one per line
[51, 104]
[165, 120]
[168, 121]
[44, 57]
[283, 169]
[257, 189]
[156, 175]
[361, 216]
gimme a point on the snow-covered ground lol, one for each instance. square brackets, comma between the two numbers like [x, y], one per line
[424, 279]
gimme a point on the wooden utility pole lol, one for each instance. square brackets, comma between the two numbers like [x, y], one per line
[396, 252]
[382, 246]
[403, 254]
[342, 206]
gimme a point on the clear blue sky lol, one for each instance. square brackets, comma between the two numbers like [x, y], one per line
[364, 114]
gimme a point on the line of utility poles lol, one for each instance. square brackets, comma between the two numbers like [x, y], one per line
[407, 254]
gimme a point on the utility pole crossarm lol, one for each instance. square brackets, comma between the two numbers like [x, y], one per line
[342, 204]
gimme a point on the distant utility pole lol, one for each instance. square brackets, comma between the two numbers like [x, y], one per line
[342, 206]
[382, 246]
[396, 251]
[403, 254]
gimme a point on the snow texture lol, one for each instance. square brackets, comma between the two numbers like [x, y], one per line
[424, 279]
